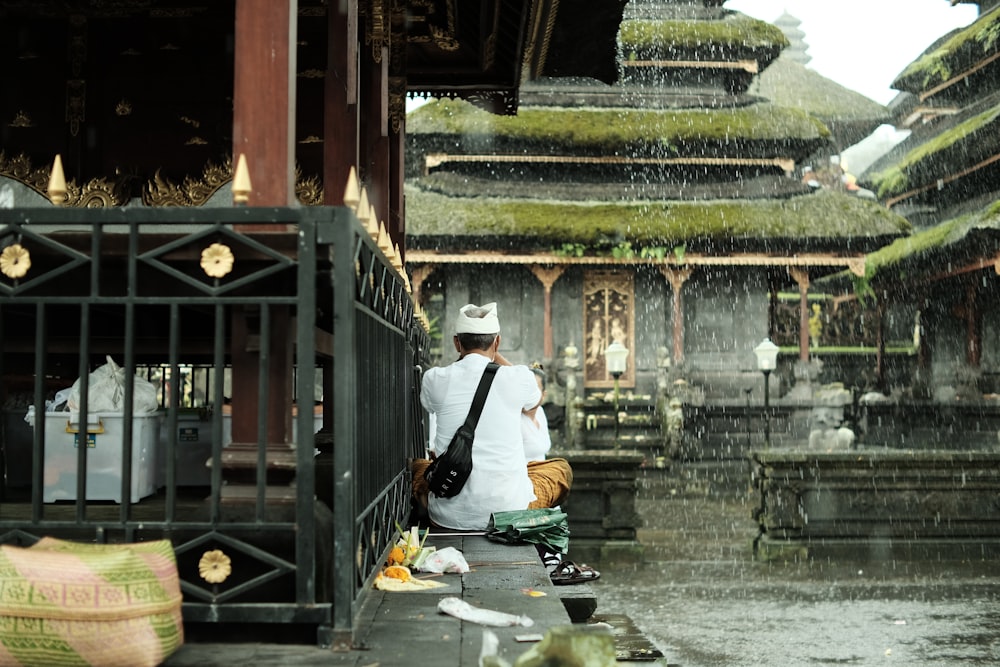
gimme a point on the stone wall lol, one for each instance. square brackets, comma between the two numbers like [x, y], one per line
[877, 504]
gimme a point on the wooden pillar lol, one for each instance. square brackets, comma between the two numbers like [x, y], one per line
[417, 277]
[263, 130]
[677, 278]
[374, 151]
[880, 380]
[395, 224]
[801, 277]
[340, 104]
[548, 277]
[772, 304]
[264, 98]
[973, 346]
[396, 101]
[926, 331]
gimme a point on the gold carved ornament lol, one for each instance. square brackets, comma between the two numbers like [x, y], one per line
[217, 260]
[215, 566]
[15, 260]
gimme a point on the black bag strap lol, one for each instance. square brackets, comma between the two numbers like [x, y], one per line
[481, 392]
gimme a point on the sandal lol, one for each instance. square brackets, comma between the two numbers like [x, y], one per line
[568, 572]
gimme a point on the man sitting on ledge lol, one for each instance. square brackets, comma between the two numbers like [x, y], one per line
[501, 478]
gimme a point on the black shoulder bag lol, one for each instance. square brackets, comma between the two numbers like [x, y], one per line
[447, 474]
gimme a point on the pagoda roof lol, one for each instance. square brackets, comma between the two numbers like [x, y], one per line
[750, 131]
[970, 242]
[822, 220]
[732, 37]
[970, 144]
[963, 55]
[848, 114]
[526, 187]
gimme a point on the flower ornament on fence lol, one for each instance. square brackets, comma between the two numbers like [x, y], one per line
[15, 260]
[214, 566]
[217, 260]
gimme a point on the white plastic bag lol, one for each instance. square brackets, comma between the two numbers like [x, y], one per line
[107, 391]
[448, 559]
[461, 609]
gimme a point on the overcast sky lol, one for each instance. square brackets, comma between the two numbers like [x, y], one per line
[864, 44]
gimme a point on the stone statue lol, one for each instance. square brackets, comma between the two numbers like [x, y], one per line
[673, 423]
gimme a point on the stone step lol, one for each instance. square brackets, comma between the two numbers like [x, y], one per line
[579, 600]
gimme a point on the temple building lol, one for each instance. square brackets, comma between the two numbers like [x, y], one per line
[669, 212]
[204, 202]
[943, 278]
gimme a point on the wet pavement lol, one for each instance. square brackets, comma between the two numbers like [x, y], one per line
[704, 602]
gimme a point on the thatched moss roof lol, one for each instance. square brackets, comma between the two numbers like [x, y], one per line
[791, 84]
[822, 215]
[612, 131]
[961, 145]
[734, 37]
[953, 55]
[518, 185]
[923, 244]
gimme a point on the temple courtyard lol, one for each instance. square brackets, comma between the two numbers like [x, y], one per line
[702, 599]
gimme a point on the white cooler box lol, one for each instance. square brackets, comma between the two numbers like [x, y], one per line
[103, 436]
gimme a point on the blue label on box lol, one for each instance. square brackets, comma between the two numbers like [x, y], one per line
[187, 434]
[91, 440]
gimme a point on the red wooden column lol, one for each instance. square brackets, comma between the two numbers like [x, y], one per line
[340, 107]
[264, 98]
[548, 278]
[263, 130]
[396, 173]
[801, 276]
[677, 278]
[374, 148]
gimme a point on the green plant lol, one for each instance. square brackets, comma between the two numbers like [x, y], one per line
[863, 290]
[434, 328]
[653, 252]
[623, 251]
[679, 253]
[570, 250]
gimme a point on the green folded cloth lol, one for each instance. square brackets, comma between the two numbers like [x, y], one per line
[546, 526]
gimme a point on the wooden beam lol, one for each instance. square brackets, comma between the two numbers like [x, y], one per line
[942, 181]
[958, 77]
[750, 66]
[855, 264]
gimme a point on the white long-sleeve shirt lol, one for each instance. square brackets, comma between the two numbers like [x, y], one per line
[499, 480]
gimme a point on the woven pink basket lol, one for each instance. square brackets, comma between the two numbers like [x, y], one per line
[105, 605]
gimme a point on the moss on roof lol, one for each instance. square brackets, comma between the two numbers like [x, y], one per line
[709, 40]
[895, 179]
[608, 130]
[925, 242]
[823, 214]
[953, 55]
[791, 84]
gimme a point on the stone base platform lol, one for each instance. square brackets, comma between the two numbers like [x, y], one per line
[877, 503]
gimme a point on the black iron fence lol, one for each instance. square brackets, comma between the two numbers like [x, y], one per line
[287, 531]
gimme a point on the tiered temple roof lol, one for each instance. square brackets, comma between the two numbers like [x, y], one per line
[945, 178]
[693, 145]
